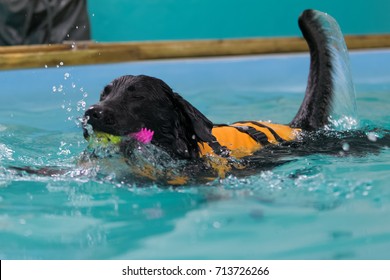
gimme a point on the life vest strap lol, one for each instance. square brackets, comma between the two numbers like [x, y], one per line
[259, 124]
[256, 135]
[219, 149]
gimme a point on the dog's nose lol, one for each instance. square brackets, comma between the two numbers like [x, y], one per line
[99, 115]
[94, 113]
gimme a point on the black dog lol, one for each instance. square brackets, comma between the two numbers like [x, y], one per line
[131, 104]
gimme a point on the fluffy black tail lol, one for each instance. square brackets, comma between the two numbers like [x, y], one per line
[330, 93]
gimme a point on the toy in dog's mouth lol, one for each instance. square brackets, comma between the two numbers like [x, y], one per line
[144, 136]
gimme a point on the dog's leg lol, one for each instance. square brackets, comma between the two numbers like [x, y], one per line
[330, 92]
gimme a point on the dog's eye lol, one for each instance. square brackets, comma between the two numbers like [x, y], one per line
[106, 91]
[131, 88]
[133, 94]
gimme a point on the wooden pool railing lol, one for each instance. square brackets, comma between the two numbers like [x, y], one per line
[80, 53]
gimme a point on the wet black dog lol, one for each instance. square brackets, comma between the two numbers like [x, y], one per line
[131, 104]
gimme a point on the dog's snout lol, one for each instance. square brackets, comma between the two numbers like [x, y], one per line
[94, 113]
[98, 115]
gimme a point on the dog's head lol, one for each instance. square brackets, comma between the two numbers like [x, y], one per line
[131, 103]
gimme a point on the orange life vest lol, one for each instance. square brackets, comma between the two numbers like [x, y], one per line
[244, 138]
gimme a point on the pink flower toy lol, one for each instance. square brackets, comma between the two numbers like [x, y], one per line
[144, 135]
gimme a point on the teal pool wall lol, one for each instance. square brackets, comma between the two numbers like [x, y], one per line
[140, 20]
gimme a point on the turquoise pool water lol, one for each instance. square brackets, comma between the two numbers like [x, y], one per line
[317, 207]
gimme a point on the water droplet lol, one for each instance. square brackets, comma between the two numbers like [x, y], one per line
[66, 76]
[81, 105]
[346, 147]
[372, 136]
[64, 152]
[61, 63]
[46, 66]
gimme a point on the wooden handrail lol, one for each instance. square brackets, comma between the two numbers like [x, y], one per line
[37, 56]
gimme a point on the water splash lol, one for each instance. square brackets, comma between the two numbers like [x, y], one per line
[68, 88]
[342, 123]
[6, 153]
[64, 148]
[344, 109]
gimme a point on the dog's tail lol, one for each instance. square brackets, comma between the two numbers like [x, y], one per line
[330, 94]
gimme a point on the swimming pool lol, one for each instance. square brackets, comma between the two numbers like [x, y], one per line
[318, 207]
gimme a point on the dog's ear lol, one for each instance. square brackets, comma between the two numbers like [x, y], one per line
[190, 126]
[201, 125]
